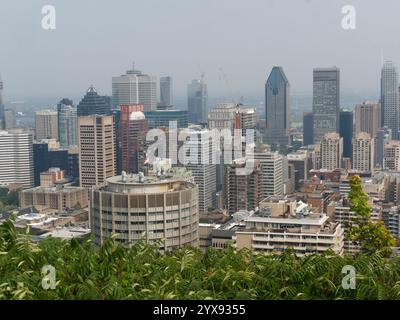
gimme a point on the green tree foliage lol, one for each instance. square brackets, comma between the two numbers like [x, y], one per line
[9, 198]
[84, 271]
[371, 236]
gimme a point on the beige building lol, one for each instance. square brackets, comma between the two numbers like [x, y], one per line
[56, 198]
[152, 208]
[281, 224]
[331, 151]
[96, 138]
[367, 118]
[46, 124]
[391, 155]
[363, 153]
[52, 176]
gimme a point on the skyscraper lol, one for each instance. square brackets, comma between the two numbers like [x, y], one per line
[272, 172]
[16, 158]
[363, 153]
[277, 104]
[46, 125]
[96, 137]
[133, 129]
[244, 191]
[390, 98]
[383, 135]
[326, 101]
[346, 131]
[197, 101]
[166, 91]
[92, 103]
[308, 128]
[134, 87]
[368, 118]
[331, 151]
[67, 123]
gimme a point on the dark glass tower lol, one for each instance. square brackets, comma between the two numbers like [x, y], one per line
[277, 104]
[346, 131]
[92, 103]
[308, 128]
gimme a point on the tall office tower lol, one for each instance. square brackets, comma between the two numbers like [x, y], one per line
[346, 131]
[363, 153]
[391, 155]
[308, 128]
[301, 164]
[96, 138]
[134, 87]
[277, 108]
[46, 125]
[272, 171]
[148, 208]
[390, 98]
[133, 129]
[326, 101]
[46, 157]
[331, 151]
[202, 166]
[383, 135]
[244, 191]
[368, 118]
[67, 123]
[92, 104]
[162, 118]
[197, 101]
[166, 91]
[225, 116]
[73, 163]
[16, 158]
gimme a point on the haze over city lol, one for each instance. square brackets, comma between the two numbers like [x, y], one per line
[95, 40]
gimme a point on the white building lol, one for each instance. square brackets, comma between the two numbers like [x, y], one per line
[16, 158]
[331, 151]
[272, 172]
[281, 224]
[134, 87]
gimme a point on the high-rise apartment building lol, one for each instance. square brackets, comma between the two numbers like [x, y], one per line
[67, 123]
[277, 107]
[363, 153]
[391, 155]
[166, 91]
[197, 101]
[331, 151]
[346, 131]
[326, 101]
[96, 138]
[202, 166]
[134, 87]
[133, 129]
[390, 98]
[92, 104]
[368, 118]
[272, 172]
[46, 125]
[383, 135]
[16, 158]
[244, 190]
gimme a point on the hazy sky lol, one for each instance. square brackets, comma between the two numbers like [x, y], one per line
[97, 39]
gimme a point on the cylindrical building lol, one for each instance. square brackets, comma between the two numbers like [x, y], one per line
[151, 208]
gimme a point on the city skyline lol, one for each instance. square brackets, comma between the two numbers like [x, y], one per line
[60, 50]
